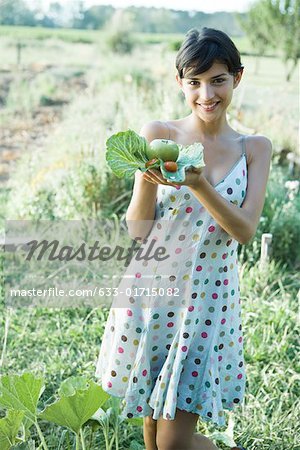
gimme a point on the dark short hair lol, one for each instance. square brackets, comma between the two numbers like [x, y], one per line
[200, 49]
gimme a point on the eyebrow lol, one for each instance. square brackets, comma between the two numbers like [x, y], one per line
[212, 78]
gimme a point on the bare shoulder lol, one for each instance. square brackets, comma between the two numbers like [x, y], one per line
[259, 148]
[154, 130]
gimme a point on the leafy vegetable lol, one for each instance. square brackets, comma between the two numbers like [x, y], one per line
[79, 399]
[127, 152]
[21, 392]
[9, 428]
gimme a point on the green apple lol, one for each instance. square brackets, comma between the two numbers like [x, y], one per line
[164, 149]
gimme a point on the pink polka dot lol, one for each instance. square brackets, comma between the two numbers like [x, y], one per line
[244, 173]
[215, 296]
[189, 209]
[191, 308]
[155, 338]
[223, 321]
[155, 238]
[210, 269]
[178, 250]
[194, 374]
[129, 312]
[204, 335]
[199, 268]
[184, 348]
[211, 229]
[177, 187]
[226, 282]
[139, 408]
[170, 324]
[109, 384]
[144, 373]
[220, 358]
[240, 376]
[120, 350]
[138, 275]
[224, 256]
[240, 339]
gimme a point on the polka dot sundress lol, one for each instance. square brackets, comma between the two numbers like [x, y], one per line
[184, 352]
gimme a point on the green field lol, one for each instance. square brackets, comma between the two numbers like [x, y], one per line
[58, 106]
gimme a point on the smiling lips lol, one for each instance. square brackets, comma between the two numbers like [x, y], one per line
[209, 107]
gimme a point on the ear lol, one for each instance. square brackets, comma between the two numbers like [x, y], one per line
[237, 78]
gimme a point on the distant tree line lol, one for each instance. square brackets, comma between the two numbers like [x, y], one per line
[148, 20]
[269, 24]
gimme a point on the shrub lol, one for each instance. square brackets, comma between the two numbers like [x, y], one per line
[281, 217]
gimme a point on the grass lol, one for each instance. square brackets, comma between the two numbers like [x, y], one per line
[60, 343]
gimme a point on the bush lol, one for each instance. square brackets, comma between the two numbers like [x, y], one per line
[281, 217]
[175, 45]
[120, 42]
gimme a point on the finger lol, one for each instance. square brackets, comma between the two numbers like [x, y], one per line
[149, 179]
[155, 175]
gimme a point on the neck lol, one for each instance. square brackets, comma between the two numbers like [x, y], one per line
[209, 130]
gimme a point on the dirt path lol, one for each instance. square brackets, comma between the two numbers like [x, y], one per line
[20, 132]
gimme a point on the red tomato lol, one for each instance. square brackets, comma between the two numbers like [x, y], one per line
[170, 166]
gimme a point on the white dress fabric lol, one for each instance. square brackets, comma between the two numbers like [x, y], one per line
[184, 352]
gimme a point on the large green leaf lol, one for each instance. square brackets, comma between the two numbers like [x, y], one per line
[126, 152]
[9, 427]
[79, 399]
[21, 392]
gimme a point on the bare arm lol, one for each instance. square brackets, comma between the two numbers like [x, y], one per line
[240, 223]
[141, 210]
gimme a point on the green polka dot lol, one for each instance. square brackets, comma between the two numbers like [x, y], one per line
[199, 223]
[238, 181]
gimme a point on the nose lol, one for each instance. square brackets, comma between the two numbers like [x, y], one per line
[206, 91]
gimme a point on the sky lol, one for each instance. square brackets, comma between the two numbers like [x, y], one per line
[207, 6]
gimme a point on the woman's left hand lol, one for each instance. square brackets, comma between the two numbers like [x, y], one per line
[192, 177]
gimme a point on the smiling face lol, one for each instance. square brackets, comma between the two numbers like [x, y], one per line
[209, 93]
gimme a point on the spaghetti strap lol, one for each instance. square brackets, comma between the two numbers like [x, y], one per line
[244, 145]
[169, 131]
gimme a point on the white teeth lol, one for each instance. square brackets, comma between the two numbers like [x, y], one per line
[208, 108]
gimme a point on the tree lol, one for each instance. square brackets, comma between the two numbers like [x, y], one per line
[275, 24]
[15, 13]
[119, 28]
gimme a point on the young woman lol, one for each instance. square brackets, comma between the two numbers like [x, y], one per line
[193, 365]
